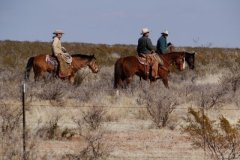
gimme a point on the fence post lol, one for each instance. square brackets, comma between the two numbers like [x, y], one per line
[24, 121]
[203, 115]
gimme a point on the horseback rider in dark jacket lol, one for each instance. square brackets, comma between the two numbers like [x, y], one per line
[145, 44]
[162, 45]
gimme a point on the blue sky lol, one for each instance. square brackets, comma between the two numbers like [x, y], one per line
[214, 23]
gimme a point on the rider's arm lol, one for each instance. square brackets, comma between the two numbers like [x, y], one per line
[149, 45]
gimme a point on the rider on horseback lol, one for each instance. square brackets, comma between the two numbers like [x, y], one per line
[146, 49]
[144, 43]
[64, 58]
[162, 45]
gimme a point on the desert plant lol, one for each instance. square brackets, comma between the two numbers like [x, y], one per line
[54, 92]
[161, 111]
[80, 77]
[94, 117]
[96, 147]
[159, 108]
[231, 80]
[93, 136]
[10, 134]
[219, 142]
[211, 96]
[50, 130]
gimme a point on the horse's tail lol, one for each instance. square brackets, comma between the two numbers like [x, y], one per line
[28, 68]
[117, 73]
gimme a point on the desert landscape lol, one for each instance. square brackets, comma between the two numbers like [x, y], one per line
[197, 118]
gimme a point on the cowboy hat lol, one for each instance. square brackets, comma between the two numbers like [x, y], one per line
[58, 32]
[165, 32]
[145, 30]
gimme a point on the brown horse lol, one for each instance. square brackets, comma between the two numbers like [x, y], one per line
[127, 67]
[190, 59]
[169, 59]
[41, 66]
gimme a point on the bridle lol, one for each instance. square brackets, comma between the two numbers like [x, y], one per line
[92, 66]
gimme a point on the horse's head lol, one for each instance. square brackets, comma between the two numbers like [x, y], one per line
[180, 62]
[190, 59]
[93, 64]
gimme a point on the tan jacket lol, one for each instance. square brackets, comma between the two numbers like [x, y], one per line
[56, 46]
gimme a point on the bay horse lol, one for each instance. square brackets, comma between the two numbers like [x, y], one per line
[41, 66]
[190, 59]
[126, 67]
[169, 59]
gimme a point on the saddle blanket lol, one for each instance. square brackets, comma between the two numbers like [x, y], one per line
[51, 60]
[143, 59]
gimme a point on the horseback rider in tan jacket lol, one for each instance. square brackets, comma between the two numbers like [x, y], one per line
[64, 58]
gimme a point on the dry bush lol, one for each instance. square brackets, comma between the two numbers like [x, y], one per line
[54, 92]
[95, 87]
[159, 104]
[89, 128]
[213, 98]
[95, 148]
[68, 133]
[11, 133]
[142, 114]
[94, 117]
[205, 96]
[231, 80]
[50, 130]
[220, 142]
[80, 78]
[10, 85]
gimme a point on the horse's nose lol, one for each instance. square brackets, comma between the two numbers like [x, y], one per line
[97, 70]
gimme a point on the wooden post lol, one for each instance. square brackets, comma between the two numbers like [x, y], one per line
[24, 121]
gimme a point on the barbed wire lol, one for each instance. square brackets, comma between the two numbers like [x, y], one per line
[103, 106]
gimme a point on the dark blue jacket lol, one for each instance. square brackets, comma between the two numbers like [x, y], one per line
[144, 45]
[162, 45]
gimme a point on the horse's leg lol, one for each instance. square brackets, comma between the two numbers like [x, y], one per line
[121, 83]
[118, 82]
[165, 82]
[72, 78]
[37, 73]
[38, 76]
[128, 80]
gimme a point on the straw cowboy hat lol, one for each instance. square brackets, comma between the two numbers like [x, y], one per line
[58, 31]
[145, 30]
[165, 32]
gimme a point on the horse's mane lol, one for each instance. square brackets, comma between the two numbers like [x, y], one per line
[174, 55]
[83, 56]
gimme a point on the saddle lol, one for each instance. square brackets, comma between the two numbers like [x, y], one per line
[52, 61]
[143, 60]
[150, 59]
[151, 62]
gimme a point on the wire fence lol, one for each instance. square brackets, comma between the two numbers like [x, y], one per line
[133, 142]
[106, 106]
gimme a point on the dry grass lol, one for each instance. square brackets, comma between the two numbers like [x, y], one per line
[127, 123]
